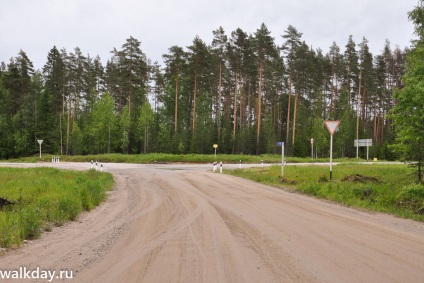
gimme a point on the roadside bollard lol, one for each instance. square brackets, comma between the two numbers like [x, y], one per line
[220, 167]
[58, 159]
[240, 164]
[262, 163]
[214, 166]
[97, 166]
[92, 164]
[101, 167]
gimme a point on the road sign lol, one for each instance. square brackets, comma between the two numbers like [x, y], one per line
[363, 142]
[215, 146]
[312, 140]
[332, 126]
[280, 143]
[40, 142]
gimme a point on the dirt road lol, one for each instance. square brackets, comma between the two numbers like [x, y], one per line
[180, 223]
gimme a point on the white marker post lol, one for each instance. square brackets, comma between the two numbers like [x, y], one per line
[240, 165]
[312, 148]
[40, 142]
[214, 166]
[332, 127]
[282, 157]
[220, 167]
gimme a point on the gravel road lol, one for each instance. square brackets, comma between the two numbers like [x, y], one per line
[184, 223]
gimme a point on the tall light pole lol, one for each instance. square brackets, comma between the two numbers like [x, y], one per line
[40, 142]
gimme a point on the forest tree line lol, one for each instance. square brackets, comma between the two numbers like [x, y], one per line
[241, 91]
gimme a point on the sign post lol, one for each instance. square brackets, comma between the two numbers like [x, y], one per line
[40, 142]
[282, 157]
[332, 127]
[362, 143]
[215, 146]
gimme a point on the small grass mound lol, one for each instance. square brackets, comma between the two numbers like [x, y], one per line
[287, 181]
[412, 197]
[358, 178]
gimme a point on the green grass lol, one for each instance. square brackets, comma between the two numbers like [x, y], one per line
[46, 197]
[384, 188]
[175, 158]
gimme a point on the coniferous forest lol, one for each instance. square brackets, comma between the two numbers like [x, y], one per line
[241, 91]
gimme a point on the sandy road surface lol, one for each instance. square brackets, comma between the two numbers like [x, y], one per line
[180, 223]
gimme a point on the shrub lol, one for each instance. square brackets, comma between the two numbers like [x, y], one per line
[411, 196]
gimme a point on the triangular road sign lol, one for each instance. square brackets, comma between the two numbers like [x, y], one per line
[332, 126]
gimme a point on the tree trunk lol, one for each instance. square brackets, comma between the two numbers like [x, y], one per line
[249, 110]
[235, 113]
[176, 111]
[130, 87]
[241, 97]
[67, 130]
[218, 108]
[194, 101]
[258, 133]
[375, 129]
[294, 120]
[357, 112]
[288, 111]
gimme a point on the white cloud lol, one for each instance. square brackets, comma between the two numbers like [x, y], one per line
[98, 26]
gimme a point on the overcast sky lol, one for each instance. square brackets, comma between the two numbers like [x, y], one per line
[97, 26]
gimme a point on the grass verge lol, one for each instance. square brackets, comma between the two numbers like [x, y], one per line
[46, 197]
[383, 188]
[175, 158]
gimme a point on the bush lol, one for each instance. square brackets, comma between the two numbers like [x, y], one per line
[411, 196]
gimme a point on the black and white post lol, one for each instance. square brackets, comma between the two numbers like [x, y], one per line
[332, 127]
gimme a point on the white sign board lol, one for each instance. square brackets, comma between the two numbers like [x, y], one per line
[363, 142]
[332, 126]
